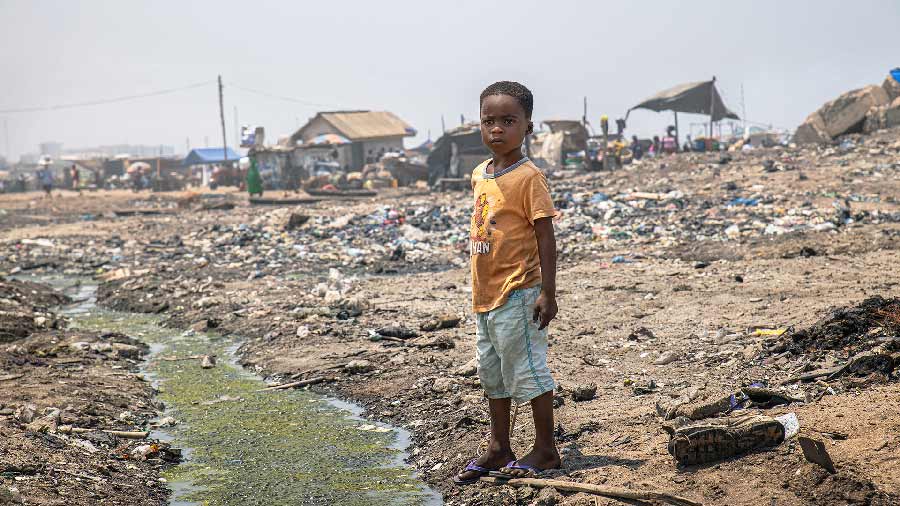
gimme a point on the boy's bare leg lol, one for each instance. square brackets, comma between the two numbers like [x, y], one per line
[499, 451]
[543, 455]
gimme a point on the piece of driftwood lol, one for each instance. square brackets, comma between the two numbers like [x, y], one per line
[124, 434]
[179, 359]
[294, 384]
[819, 373]
[602, 490]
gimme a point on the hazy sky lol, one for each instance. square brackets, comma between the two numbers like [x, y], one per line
[419, 59]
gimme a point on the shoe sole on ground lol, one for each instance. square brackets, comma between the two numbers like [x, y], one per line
[715, 443]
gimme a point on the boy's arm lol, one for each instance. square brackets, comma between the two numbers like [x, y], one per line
[545, 307]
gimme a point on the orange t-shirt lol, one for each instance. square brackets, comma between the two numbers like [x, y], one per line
[502, 242]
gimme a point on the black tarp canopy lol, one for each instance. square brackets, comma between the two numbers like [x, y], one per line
[695, 98]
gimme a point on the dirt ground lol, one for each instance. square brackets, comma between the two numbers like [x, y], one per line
[659, 276]
[54, 377]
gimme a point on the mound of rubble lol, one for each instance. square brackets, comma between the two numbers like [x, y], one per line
[25, 308]
[864, 110]
[861, 341]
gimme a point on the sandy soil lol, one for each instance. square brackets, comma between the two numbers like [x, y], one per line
[684, 288]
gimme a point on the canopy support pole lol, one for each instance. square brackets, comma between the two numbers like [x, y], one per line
[677, 141]
[712, 107]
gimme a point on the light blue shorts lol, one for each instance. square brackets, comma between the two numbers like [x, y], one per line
[512, 352]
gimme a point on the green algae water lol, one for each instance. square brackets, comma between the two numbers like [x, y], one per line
[246, 447]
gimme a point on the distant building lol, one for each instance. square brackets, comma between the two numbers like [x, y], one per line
[367, 135]
[130, 150]
[52, 149]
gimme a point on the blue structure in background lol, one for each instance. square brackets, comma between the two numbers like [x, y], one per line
[203, 156]
[896, 74]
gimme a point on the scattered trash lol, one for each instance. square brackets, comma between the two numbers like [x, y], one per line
[359, 367]
[583, 393]
[442, 322]
[791, 424]
[715, 439]
[398, 332]
[667, 357]
[814, 451]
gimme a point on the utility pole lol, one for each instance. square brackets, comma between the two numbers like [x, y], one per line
[187, 145]
[443, 128]
[6, 131]
[222, 118]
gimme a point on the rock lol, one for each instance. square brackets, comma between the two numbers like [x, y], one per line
[470, 368]
[25, 413]
[80, 346]
[205, 325]
[207, 362]
[46, 423]
[524, 493]
[548, 496]
[844, 114]
[166, 421]
[812, 131]
[397, 331]
[882, 117]
[205, 302]
[8, 497]
[359, 367]
[666, 358]
[303, 331]
[295, 220]
[891, 87]
[441, 322]
[584, 392]
[124, 350]
[442, 385]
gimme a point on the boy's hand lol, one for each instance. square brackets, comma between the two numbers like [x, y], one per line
[544, 310]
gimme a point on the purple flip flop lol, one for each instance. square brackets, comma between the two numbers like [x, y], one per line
[534, 471]
[472, 466]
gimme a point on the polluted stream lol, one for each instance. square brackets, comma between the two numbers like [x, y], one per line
[243, 446]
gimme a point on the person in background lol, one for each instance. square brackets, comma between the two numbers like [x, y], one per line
[637, 152]
[45, 176]
[669, 145]
[254, 180]
[76, 179]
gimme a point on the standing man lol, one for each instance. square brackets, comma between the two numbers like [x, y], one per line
[76, 179]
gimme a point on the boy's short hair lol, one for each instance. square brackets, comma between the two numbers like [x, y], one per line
[513, 89]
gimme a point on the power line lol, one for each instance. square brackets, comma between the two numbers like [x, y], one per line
[106, 101]
[281, 97]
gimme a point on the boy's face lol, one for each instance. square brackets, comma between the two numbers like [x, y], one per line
[503, 124]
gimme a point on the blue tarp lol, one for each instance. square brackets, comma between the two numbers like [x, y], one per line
[202, 156]
[896, 74]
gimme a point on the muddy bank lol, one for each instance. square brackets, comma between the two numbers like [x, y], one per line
[54, 377]
[427, 383]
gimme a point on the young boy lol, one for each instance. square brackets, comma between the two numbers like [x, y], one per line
[513, 254]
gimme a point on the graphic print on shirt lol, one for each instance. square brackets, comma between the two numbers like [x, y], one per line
[479, 236]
